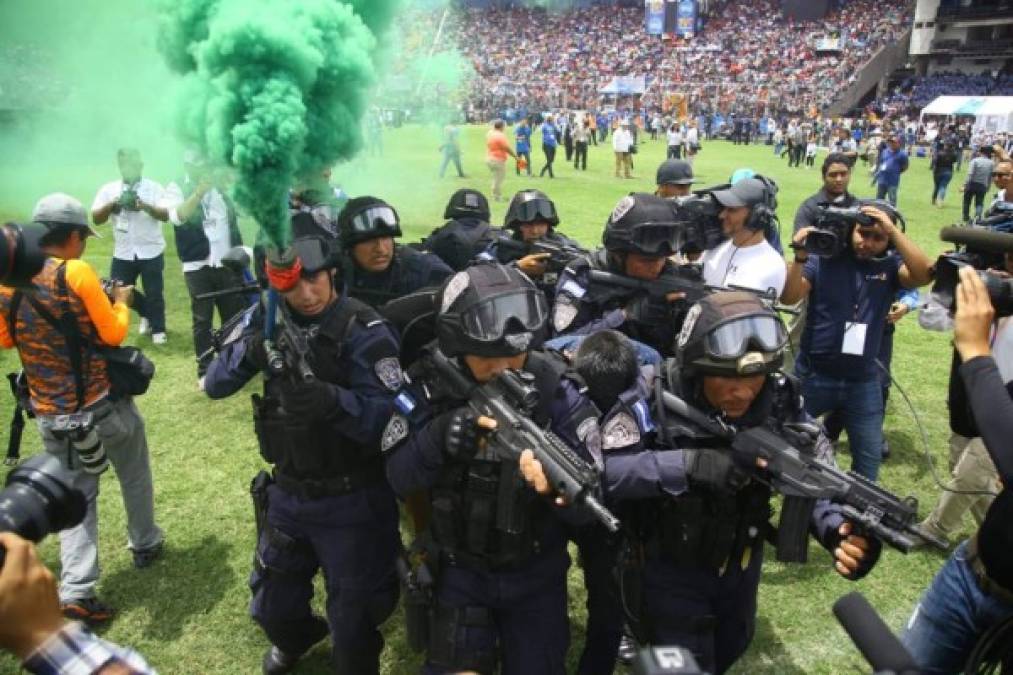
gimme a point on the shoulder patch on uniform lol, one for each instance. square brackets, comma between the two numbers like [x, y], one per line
[688, 324]
[563, 313]
[405, 403]
[643, 413]
[388, 371]
[590, 434]
[457, 284]
[620, 431]
[395, 432]
[573, 288]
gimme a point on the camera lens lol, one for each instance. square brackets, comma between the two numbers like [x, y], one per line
[39, 499]
[21, 258]
[821, 243]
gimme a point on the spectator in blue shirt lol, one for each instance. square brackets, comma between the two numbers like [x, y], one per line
[523, 144]
[892, 163]
[850, 296]
[550, 139]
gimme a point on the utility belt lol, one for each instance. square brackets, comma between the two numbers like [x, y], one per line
[332, 486]
[987, 585]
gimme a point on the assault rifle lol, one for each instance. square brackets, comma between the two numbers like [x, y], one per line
[509, 400]
[287, 350]
[803, 478]
[560, 255]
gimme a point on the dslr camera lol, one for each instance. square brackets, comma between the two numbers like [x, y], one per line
[39, 499]
[79, 430]
[831, 235]
[983, 249]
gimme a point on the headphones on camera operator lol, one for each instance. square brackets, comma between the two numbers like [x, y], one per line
[764, 214]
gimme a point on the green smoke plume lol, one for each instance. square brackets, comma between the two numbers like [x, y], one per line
[274, 89]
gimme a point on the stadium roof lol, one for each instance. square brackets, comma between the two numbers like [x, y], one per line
[992, 113]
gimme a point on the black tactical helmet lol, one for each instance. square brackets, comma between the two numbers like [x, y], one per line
[528, 206]
[489, 310]
[365, 218]
[645, 224]
[730, 333]
[467, 203]
[304, 257]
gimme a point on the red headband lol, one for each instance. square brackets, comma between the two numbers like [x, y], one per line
[283, 278]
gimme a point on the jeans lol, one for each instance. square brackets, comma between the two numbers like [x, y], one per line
[449, 157]
[152, 307]
[121, 430]
[975, 191]
[205, 280]
[861, 405]
[887, 191]
[940, 180]
[950, 617]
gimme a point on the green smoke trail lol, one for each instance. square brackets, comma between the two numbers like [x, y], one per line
[274, 89]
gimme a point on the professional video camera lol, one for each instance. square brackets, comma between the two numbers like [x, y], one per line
[21, 258]
[700, 212]
[38, 499]
[983, 249]
[658, 660]
[831, 235]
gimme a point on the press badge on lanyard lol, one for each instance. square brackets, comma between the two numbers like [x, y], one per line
[854, 338]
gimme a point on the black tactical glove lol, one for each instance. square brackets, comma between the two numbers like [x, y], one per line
[256, 354]
[714, 469]
[646, 309]
[461, 435]
[311, 400]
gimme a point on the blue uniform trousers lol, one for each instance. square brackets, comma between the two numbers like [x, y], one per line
[354, 539]
[527, 611]
[696, 608]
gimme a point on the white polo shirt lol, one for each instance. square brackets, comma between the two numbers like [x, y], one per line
[216, 224]
[136, 235]
[759, 267]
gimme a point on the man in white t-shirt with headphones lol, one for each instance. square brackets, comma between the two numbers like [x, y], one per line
[746, 260]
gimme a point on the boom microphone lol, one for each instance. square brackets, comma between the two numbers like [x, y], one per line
[878, 644]
[979, 238]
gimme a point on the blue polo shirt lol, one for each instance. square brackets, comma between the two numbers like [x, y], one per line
[891, 165]
[845, 289]
[523, 135]
[549, 132]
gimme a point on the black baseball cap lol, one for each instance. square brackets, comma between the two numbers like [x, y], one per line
[675, 172]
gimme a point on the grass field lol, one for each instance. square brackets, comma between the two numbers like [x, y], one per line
[188, 612]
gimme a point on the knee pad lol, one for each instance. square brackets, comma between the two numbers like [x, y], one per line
[463, 638]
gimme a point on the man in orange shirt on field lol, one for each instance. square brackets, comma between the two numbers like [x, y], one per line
[497, 149]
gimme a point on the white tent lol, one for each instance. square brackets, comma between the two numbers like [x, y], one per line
[991, 113]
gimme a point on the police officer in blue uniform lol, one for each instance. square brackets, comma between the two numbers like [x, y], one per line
[376, 269]
[696, 550]
[640, 235]
[328, 505]
[466, 233]
[530, 217]
[500, 594]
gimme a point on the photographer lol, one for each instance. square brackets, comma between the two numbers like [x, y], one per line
[850, 295]
[974, 590]
[80, 422]
[138, 246]
[32, 628]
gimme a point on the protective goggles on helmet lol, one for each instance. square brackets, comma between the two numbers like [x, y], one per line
[490, 320]
[657, 238]
[731, 340]
[535, 209]
[374, 219]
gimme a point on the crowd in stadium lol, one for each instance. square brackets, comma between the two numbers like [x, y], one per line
[746, 54]
[916, 92]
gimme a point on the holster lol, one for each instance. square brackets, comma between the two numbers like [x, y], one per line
[417, 587]
[258, 491]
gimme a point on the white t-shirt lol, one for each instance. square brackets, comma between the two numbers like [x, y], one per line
[674, 138]
[216, 224]
[135, 233]
[692, 137]
[758, 267]
[622, 140]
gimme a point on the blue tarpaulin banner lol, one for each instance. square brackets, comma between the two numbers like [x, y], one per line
[654, 16]
[685, 22]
